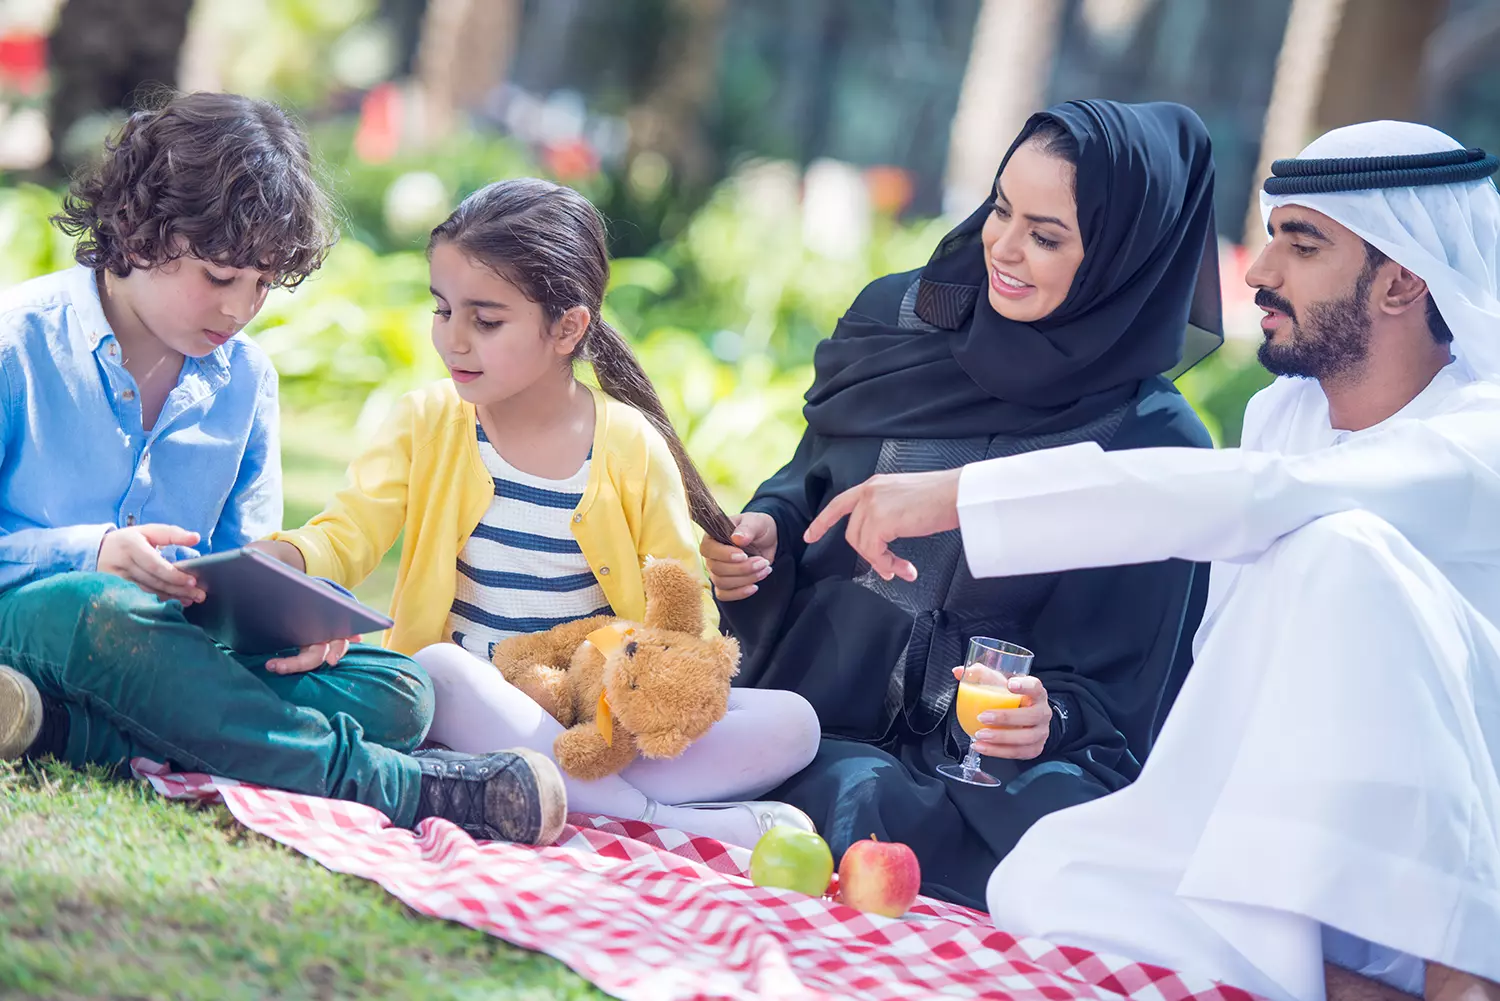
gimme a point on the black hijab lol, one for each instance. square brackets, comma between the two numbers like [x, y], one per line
[1145, 300]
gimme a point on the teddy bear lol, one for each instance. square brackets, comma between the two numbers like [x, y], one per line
[624, 688]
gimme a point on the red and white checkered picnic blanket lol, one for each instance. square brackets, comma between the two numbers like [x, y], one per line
[651, 913]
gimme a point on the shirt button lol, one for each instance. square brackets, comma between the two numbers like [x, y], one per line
[604, 571]
[129, 519]
[129, 394]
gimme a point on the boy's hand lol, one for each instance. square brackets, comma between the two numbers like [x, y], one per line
[737, 570]
[132, 553]
[310, 658]
[283, 551]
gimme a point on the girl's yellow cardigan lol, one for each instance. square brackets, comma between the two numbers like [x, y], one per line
[423, 475]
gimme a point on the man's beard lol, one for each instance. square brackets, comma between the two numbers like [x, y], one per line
[1334, 342]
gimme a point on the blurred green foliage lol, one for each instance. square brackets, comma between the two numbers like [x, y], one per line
[724, 317]
[371, 194]
[299, 52]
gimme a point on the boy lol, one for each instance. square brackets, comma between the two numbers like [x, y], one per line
[136, 429]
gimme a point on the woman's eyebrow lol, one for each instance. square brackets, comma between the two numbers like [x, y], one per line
[1000, 194]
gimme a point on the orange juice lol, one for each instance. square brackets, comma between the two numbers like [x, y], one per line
[975, 699]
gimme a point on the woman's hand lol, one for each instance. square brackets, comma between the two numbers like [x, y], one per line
[737, 570]
[1014, 733]
[312, 657]
[133, 554]
[283, 551]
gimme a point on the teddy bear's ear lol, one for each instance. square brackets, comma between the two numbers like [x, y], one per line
[727, 654]
[674, 597]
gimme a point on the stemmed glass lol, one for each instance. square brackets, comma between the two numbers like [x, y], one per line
[982, 687]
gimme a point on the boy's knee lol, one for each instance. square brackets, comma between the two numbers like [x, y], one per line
[96, 592]
[109, 608]
[397, 713]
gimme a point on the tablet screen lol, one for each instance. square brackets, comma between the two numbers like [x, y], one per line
[258, 605]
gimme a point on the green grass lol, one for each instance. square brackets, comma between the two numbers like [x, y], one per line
[109, 891]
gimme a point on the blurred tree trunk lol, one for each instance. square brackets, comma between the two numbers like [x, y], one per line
[1375, 63]
[464, 53]
[1005, 80]
[1341, 63]
[405, 18]
[1300, 68]
[669, 118]
[1457, 49]
[101, 53]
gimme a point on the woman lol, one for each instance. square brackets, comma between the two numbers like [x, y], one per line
[1047, 318]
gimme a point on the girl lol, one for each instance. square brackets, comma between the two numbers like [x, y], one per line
[529, 500]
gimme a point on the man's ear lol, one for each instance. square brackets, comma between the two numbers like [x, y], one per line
[1405, 291]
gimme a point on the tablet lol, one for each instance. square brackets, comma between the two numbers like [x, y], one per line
[256, 604]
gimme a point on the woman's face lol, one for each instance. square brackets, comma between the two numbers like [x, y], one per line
[1032, 247]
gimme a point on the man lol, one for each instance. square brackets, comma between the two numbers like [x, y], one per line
[1325, 785]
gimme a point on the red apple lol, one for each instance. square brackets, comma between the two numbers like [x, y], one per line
[881, 877]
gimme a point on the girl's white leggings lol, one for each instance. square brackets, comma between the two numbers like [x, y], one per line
[766, 737]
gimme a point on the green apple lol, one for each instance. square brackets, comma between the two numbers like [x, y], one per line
[792, 859]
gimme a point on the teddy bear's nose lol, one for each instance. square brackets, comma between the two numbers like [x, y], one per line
[631, 647]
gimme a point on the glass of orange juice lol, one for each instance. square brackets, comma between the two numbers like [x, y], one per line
[982, 687]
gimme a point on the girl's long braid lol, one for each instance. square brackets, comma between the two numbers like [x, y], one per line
[621, 376]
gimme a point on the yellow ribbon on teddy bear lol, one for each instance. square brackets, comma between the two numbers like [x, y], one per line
[607, 640]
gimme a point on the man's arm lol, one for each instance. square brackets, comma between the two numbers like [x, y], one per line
[1437, 482]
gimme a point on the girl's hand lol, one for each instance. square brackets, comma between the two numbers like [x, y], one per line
[737, 570]
[1021, 733]
[132, 553]
[310, 658]
[283, 551]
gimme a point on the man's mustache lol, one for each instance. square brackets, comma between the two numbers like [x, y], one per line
[1266, 299]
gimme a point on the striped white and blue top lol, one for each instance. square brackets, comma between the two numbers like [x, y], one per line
[522, 571]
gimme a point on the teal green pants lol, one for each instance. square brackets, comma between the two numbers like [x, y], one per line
[140, 680]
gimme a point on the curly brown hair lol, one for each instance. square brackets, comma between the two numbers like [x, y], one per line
[220, 177]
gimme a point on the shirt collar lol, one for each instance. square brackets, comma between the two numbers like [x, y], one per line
[83, 290]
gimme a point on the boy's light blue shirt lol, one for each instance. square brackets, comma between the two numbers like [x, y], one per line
[75, 460]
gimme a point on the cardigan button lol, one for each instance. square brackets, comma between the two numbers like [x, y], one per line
[604, 571]
[577, 518]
